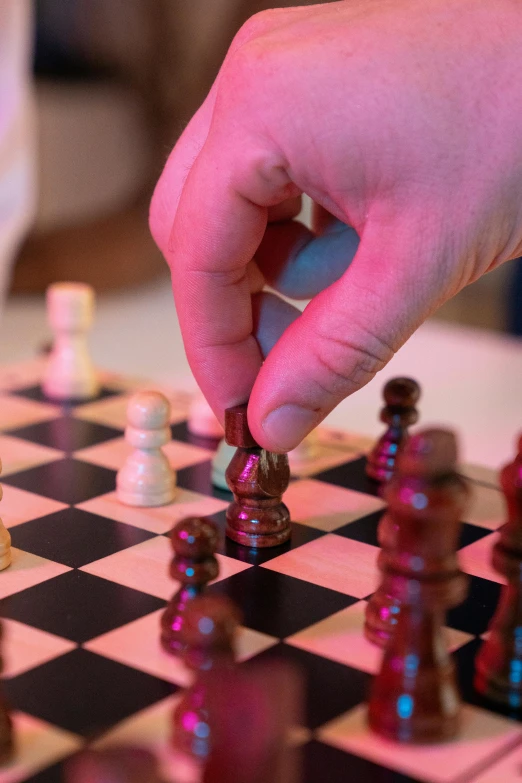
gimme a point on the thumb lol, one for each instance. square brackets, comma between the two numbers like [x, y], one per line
[343, 338]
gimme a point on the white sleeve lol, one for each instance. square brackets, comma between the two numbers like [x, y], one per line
[17, 132]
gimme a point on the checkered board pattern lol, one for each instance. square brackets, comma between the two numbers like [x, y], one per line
[84, 594]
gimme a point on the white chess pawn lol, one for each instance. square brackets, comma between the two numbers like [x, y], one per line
[202, 420]
[70, 373]
[5, 539]
[146, 478]
[307, 450]
[220, 463]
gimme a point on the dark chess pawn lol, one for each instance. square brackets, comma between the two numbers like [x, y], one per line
[208, 636]
[257, 517]
[414, 698]
[114, 765]
[6, 727]
[194, 541]
[258, 705]
[498, 666]
[401, 396]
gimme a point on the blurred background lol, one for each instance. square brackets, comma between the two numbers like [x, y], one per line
[116, 81]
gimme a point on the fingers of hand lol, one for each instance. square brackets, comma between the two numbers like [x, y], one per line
[298, 264]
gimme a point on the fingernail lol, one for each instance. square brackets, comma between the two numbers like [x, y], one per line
[287, 426]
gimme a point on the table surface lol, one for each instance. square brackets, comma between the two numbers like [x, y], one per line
[469, 377]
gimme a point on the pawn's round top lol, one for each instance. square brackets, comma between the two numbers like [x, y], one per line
[148, 410]
[211, 622]
[70, 306]
[237, 431]
[401, 393]
[430, 452]
[194, 537]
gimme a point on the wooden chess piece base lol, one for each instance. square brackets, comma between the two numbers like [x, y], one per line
[260, 525]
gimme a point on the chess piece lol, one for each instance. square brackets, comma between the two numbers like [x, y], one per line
[307, 450]
[146, 478]
[257, 517]
[7, 745]
[400, 395]
[414, 698]
[220, 463]
[194, 541]
[113, 765]
[5, 539]
[208, 636]
[258, 705]
[70, 373]
[498, 666]
[202, 420]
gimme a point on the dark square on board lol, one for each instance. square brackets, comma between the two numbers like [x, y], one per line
[473, 615]
[324, 763]
[67, 480]
[331, 688]
[278, 604]
[66, 433]
[84, 693]
[363, 529]
[78, 606]
[75, 537]
[350, 475]
[35, 393]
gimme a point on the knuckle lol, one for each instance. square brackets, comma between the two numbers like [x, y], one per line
[256, 26]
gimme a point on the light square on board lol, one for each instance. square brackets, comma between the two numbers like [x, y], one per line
[18, 506]
[487, 507]
[482, 737]
[475, 559]
[27, 570]
[340, 637]
[18, 375]
[506, 770]
[354, 442]
[145, 567]
[16, 412]
[113, 454]
[138, 645]
[481, 474]
[38, 745]
[18, 454]
[25, 647]
[157, 520]
[323, 457]
[327, 506]
[333, 562]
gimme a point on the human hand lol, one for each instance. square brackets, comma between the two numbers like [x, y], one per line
[401, 119]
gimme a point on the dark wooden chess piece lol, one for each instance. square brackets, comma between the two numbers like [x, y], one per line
[194, 541]
[498, 666]
[7, 745]
[208, 636]
[401, 396]
[414, 698]
[382, 610]
[114, 765]
[258, 704]
[257, 517]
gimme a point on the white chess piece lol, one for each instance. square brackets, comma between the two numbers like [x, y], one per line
[220, 463]
[202, 420]
[70, 373]
[307, 450]
[146, 478]
[5, 539]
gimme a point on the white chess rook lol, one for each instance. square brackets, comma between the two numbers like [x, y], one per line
[70, 373]
[147, 479]
[5, 539]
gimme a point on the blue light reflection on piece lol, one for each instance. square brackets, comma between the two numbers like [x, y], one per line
[419, 501]
[405, 706]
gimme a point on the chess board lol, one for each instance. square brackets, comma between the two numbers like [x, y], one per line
[82, 599]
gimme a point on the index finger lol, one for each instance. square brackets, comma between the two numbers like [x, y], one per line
[219, 224]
